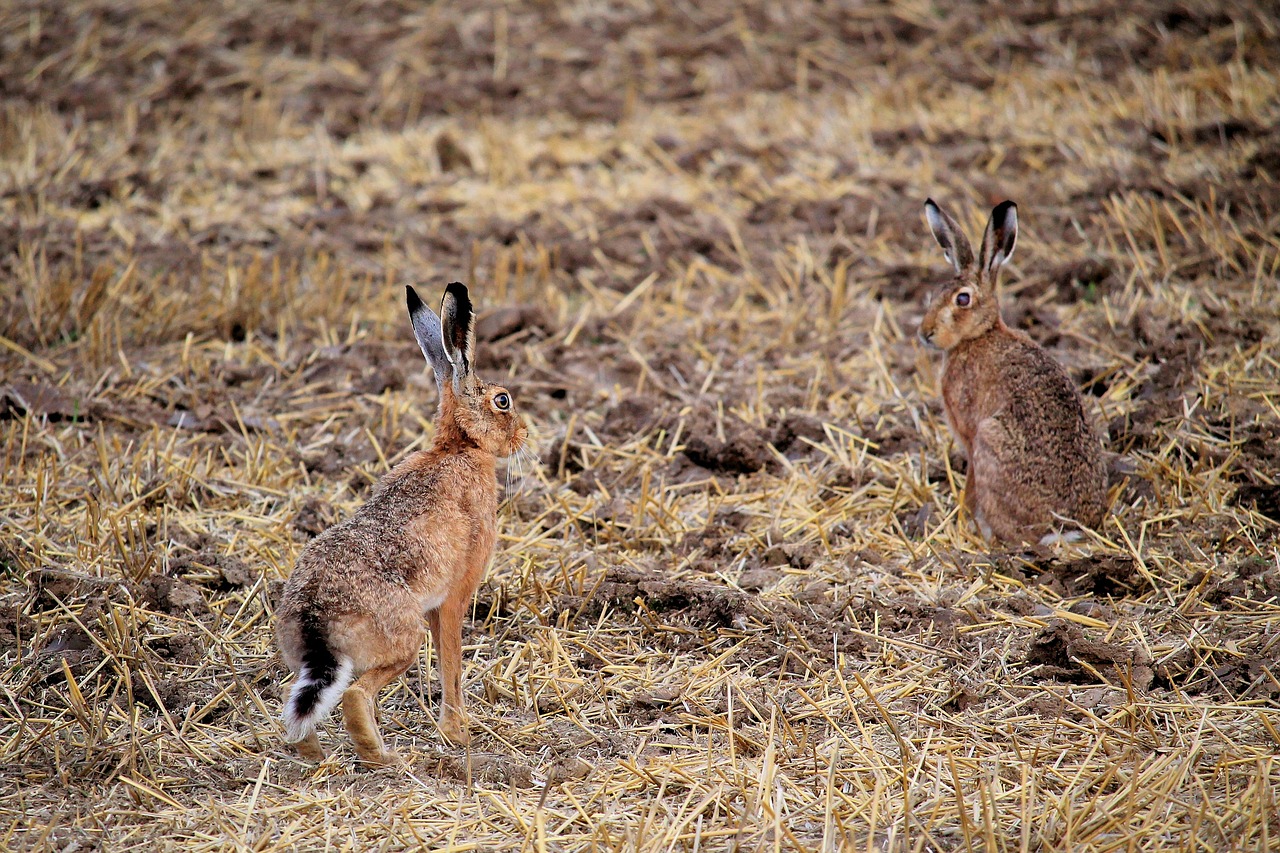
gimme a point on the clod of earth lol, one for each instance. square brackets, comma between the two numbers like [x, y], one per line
[1062, 652]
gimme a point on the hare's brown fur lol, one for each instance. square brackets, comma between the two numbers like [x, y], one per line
[418, 547]
[1034, 459]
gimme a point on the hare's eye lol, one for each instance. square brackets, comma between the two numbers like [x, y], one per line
[502, 401]
[962, 299]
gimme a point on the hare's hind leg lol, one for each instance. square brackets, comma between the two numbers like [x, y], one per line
[359, 705]
[309, 748]
[446, 632]
[1002, 510]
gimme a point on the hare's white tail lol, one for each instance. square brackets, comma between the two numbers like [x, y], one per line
[1061, 537]
[321, 681]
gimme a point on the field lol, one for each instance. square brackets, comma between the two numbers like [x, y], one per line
[733, 605]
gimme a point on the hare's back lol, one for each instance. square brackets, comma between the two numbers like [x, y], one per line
[421, 522]
[335, 566]
[1042, 403]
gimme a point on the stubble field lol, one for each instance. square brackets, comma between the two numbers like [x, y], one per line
[733, 605]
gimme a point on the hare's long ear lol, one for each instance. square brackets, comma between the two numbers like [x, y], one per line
[426, 328]
[955, 246]
[998, 241]
[456, 327]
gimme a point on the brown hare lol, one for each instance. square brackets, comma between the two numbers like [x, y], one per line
[1035, 463]
[351, 617]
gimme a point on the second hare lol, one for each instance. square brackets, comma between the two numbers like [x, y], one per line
[1035, 463]
[351, 617]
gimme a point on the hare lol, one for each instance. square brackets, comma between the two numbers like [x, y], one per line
[1035, 463]
[350, 619]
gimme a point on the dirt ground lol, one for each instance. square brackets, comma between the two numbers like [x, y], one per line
[733, 605]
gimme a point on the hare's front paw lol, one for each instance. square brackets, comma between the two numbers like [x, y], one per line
[455, 729]
[385, 758]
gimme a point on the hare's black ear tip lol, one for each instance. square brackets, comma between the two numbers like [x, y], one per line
[1005, 215]
[458, 291]
[930, 203]
[412, 298]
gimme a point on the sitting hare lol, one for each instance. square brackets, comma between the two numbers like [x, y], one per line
[351, 616]
[1035, 463]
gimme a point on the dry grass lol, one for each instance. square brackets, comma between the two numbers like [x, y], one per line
[733, 606]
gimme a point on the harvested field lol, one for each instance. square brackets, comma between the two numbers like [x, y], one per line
[733, 606]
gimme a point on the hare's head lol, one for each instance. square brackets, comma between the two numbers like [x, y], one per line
[966, 307]
[479, 413]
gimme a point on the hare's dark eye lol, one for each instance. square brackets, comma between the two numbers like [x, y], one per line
[962, 299]
[502, 401]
